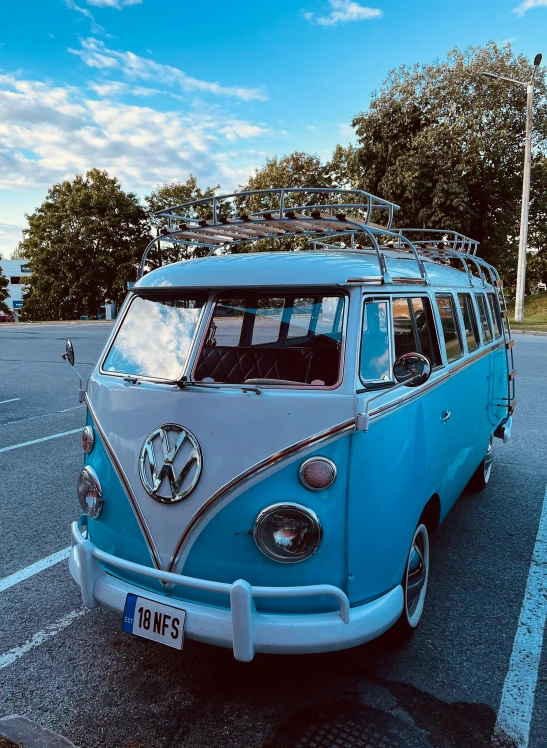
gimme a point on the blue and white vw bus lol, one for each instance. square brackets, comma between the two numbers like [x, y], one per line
[272, 436]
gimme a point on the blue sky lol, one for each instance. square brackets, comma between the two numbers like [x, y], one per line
[152, 90]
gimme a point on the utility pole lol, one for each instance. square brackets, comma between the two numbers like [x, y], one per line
[523, 239]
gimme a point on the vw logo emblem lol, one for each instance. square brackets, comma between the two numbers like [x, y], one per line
[170, 463]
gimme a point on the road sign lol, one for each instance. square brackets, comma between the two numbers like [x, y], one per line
[17, 304]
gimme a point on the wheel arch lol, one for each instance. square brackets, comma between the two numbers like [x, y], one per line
[431, 514]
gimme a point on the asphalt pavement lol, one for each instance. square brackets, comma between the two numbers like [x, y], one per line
[76, 673]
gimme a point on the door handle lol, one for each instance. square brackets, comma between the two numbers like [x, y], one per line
[445, 416]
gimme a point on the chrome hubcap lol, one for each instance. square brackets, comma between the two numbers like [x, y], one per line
[488, 460]
[417, 573]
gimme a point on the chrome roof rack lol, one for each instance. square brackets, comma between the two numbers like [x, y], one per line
[443, 238]
[320, 214]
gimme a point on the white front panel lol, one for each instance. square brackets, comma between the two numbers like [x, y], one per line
[235, 430]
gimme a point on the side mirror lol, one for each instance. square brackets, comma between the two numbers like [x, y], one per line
[69, 353]
[412, 369]
[68, 356]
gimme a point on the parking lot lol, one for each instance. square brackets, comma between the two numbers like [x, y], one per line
[75, 672]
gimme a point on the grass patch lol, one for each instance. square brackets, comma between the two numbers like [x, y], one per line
[535, 313]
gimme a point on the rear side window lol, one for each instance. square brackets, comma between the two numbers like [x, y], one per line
[484, 318]
[471, 330]
[447, 312]
[496, 316]
[413, 328]
[375, 359]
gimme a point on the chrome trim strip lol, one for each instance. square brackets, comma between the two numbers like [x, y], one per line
[320, 438]
[130, 495]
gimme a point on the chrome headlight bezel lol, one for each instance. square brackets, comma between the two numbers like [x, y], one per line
[88, 483]
[287, 506]
[88, 439]
[307, 463]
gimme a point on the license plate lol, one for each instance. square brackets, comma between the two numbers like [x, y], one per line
[155, 621]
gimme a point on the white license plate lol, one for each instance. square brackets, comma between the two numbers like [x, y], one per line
[155, 621]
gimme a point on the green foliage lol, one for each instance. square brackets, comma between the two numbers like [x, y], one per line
[83, 245]
[295, 170]
[447, 144]
[4, 293]
[169, 196]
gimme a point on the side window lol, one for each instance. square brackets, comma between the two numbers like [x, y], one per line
[228, 321]
[484, 318]
[496, 315]
[469, 321]
[328, 316]
[300, 320]
[267, 323]
[375, 365]
[447, 312]
[413, 328]
[425, 326]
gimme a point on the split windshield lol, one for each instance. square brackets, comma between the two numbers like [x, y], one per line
[278, 338]
[155, 337]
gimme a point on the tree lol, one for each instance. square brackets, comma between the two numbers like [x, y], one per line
[168, 196]
[447, 145]
[83, 244]
[298, 169]
[4, 293]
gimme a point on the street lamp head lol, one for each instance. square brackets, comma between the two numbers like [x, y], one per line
[490, 75]
[537, 60]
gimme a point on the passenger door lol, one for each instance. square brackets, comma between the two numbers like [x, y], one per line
[398, 462]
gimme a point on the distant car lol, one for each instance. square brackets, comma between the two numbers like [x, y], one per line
[7, 317]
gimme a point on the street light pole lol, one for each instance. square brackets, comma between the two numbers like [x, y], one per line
[523, 238]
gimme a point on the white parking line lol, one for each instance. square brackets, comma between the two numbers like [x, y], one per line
[43, 439]
[30, 571]
[517, 699]
[13, 400]
[52, 630]
[42, 415]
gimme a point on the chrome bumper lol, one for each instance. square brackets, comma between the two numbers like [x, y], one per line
[241, 627]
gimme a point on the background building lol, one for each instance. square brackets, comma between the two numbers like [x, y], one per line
[17, 272]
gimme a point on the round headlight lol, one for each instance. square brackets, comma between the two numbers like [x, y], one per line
[90, 494]
[287, 532]
[88, 439]
[317, 473]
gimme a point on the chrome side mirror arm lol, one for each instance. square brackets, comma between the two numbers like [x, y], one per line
[82, 390]
[68, 356]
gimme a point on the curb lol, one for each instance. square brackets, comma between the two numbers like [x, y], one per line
[528, 332]
[25, 732]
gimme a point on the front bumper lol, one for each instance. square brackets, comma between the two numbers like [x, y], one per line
[240, 628]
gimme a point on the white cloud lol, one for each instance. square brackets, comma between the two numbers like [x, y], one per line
[521, 9]
[10, 236]
[49, 133]
[346, 11]
[95, 28]
[95, 54]
[118, 4]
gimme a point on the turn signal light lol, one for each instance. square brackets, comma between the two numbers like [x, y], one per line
[317, 473]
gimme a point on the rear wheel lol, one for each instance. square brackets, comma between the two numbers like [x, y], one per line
[482, 474]
[414, 585]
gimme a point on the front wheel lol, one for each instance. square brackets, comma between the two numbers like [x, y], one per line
[414, 585]
[482, 474]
